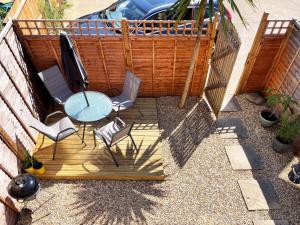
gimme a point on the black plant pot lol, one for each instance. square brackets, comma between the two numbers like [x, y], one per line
[267, 118]
[280, 146]
[294, 174]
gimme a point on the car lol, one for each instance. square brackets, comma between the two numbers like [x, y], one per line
[141, 10]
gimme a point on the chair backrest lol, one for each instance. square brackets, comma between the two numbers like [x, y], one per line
[124, 132]
[131, 86]
[56, 84]
[39, 126]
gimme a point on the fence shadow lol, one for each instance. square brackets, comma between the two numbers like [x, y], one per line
[185, 130]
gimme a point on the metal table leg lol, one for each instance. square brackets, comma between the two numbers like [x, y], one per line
[84, 124]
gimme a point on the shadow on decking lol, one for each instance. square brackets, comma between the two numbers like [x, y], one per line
[75, 161]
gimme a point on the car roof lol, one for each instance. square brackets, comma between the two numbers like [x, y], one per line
[152, 6]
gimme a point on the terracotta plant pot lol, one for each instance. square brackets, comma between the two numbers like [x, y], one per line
[281, 146]
[267, 118]
[39, 168]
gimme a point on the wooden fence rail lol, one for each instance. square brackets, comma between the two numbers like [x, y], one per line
[160, 57]
[37, 27]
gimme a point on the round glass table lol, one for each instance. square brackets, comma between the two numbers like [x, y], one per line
[87, 107]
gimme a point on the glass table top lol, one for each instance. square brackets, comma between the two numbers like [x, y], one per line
[99, 106]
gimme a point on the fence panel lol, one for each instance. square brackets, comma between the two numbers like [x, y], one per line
[222, 62]
[161, 58]
[16, 94]
[269, 42]
[284, 75]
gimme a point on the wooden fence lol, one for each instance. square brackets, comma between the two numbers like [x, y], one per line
[273, 61]
[16, 94]
[221, 66]
[284, 75]
[26, 9]
[158, 53]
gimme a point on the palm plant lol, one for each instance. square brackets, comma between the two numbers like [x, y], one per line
[178, 11]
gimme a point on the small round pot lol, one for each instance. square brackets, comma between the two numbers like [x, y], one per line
[39, 168]
[294, 174]
[267, 119]
[30, 170]
[280, 146]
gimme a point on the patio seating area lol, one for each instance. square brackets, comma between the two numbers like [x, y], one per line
[143, 154]
[73, 160]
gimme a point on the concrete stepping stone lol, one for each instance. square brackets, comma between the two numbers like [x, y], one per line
[259, 194]
[231, 128]
[270, 222]
[243, 157]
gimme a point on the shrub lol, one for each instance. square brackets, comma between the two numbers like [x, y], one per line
[51, 11]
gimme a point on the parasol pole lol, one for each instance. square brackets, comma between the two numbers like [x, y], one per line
[84, 94]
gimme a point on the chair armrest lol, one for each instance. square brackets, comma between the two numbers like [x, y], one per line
[52, 114]
[64, 130]
[124, 102]
[120, 122]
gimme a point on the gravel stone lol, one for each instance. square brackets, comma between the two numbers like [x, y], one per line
[200, 185]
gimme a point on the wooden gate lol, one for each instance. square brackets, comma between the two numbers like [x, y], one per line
[221, 65]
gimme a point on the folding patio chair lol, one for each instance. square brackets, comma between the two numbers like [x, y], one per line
[56, 131]
[114, 132]
[56, 84]
[126, 99]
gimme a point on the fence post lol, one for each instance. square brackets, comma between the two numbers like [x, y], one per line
[127, 45]
[252, 54]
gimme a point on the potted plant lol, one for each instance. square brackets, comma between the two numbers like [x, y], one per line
[274, 100]
[27, 163]
[289, 128]
[38, 167]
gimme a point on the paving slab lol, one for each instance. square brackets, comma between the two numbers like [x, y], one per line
[243, 157]
[271, 222]
[231, 128]
[259, 194]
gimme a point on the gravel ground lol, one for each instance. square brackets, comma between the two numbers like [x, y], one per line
[200, 186]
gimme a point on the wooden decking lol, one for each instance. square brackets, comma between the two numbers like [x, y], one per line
[75, 161]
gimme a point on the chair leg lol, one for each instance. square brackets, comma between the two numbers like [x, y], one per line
[82, 141]
[141, 112]
[112, 155]
[42, 141]
[137, 151]
[54, 150]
